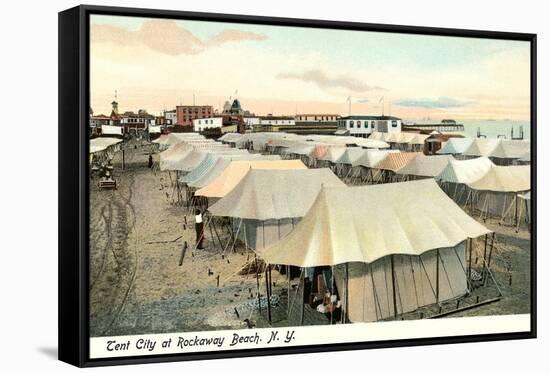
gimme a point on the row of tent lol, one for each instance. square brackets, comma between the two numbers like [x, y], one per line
[502, 151]
[382, 242]
[212, 168]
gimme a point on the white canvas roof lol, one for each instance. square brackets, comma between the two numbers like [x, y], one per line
[272, 194]
[511, 149]
[456, 145]
[102, 143]
[466, 171]
[363, 224]
[372, 157]
[234, 173]
[426, 165]
[504, 179]
[351, 155]
[481, 147]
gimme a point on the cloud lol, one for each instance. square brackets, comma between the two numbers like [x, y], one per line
[167, 37]
[363, 100]
[227, 36]
[321, 79]
[440, 103]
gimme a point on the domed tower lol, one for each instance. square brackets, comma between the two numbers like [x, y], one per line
[236, 107]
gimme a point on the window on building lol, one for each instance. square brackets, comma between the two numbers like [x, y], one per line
[394, 123]
[372, 124]
[366, 124]
[351, 124]
[358, 124]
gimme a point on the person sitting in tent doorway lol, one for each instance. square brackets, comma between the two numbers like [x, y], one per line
[199, 229]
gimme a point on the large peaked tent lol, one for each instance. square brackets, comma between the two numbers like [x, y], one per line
[497, 191]
[267, 204]
[234, 173]
[411, 230]
[425, 166]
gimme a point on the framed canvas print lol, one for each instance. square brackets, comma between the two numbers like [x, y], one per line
[234, 186]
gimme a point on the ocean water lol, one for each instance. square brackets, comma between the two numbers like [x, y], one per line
[496, 128]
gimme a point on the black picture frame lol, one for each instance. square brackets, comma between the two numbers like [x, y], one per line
[74, 98]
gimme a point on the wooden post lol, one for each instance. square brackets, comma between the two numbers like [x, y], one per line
[393, 286]
[345, 315]
[516, 211]
[484, 259]
[183, 253]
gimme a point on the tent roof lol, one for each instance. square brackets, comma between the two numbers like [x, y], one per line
[351, 155]
[504, 179]
[333, 153]
[456, 145]
[210, 160]
[511, 149]
[426, 165]
[234, 173]
[363, 224]
[396, 161]
[481, 147]
[102, 143]
[466, 171]
[272, 194]
[371, 157]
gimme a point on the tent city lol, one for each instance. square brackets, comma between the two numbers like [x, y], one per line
[348, 177]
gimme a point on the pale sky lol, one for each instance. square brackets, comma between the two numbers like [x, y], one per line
[157, 64]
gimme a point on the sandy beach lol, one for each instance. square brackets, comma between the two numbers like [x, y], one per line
[137, 235]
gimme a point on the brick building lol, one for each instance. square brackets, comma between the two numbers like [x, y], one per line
[186, 113]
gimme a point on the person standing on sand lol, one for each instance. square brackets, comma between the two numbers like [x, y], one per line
[199, 229]
[150, 161]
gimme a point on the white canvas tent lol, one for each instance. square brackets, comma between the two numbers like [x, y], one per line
[266, 203]
[234, 173]
[459, 173]
[362, 169]
[481, 147]
[496, 192]
[399, 240]
[509, 150]
[425, 166]
[456, 145]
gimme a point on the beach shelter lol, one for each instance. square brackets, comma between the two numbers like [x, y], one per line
[495, 194]
[234, 173]
[424, 166]
[266, 204]
[481, 147]
[392, 247]
[456, 145]
[509, 150]
[459, 173]
[389, 165]
[416, 144]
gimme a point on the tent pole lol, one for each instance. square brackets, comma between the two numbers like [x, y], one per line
[437, 277]
[258, 284]
[393, 286]
[484, 257]
[302, 303]
[288, 291]
[268, 293]
[345, 316]
[516, 212]
[470, 261]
